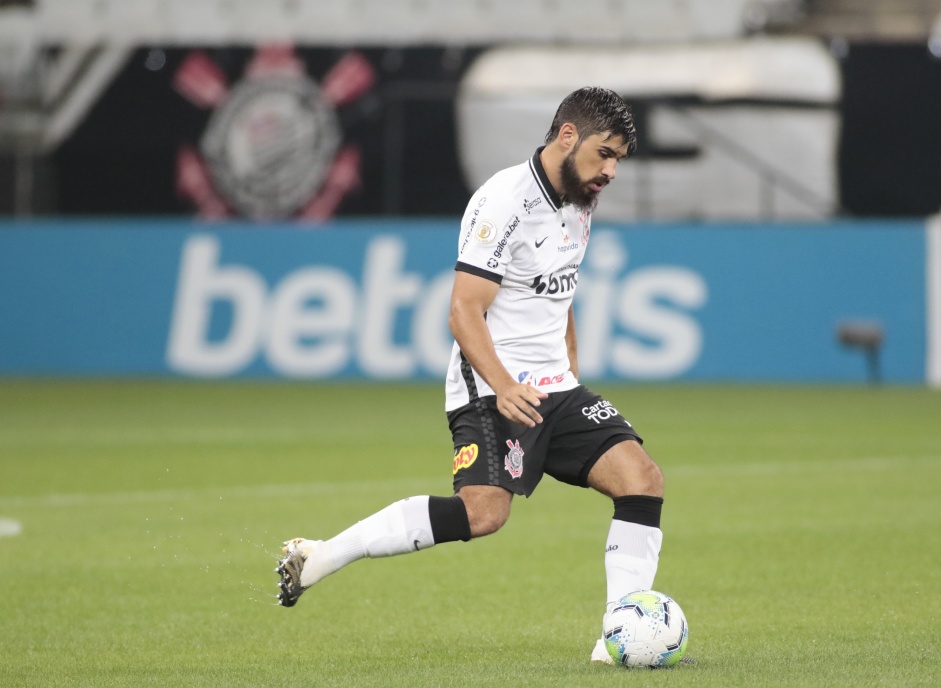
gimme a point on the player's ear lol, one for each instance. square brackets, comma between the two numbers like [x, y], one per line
[568, 136]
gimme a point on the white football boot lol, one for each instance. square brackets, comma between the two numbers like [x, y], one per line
[296, 552]
[600, 654]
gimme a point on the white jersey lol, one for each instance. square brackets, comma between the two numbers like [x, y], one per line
[517, 233]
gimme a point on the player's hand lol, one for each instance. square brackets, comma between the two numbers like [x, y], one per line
[518, 402]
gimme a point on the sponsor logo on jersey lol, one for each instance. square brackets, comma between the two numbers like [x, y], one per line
[510, 228]
[473, 223]
[514, 459]
[528, 378]
[529, 205]
[465, 457]
[559, 282]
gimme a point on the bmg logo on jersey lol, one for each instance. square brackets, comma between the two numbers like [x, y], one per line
[559, 282]
[603, 410]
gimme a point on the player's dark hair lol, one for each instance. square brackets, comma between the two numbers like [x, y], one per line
[594, 110]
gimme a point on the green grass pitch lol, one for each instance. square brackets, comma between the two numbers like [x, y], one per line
[802, 537]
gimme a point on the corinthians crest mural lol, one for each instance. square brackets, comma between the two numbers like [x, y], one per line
[274, 144]
[307, 132]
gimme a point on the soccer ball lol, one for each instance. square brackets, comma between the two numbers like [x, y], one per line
[645, 629]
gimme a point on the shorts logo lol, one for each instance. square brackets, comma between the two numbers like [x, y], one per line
[603, 410]
[514, 459]
[465, 457]
[486, 232]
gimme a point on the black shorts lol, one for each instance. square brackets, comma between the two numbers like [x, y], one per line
[578, 427]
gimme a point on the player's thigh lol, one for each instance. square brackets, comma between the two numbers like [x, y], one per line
[625, 469]
[491, 450]
[584, 428]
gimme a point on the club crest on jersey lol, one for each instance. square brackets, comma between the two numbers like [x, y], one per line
[586, 228]
[485, 232]
[465, 457]
[514, 459]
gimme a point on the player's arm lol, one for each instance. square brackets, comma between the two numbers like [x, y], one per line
[571, 343]
[470, 299]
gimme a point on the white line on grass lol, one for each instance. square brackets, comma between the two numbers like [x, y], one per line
[886, 463]
[9, 527]
[133, 437]
[291, 489]
[874, 463]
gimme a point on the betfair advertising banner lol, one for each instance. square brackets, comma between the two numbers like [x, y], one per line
[369, 300]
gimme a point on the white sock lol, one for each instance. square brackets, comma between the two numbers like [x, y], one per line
[630, 559]
[401, 527]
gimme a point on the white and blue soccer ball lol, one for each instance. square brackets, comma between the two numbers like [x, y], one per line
[645, 629]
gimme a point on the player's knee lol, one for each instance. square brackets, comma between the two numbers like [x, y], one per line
[626, 469]
[643, 474]
[651, 479]
[487, 510]
[486, 523]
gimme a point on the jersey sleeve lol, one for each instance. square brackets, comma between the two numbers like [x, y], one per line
[487, 235]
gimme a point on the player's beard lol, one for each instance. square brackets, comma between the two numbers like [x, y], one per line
[575, 189]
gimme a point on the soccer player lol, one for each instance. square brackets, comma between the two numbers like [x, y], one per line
[514, 404]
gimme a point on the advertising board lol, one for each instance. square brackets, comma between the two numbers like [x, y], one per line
[369, 299]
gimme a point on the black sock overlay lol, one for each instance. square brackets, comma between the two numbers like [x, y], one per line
[448, 517]
[639, 509]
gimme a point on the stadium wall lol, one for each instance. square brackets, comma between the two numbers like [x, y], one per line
[753, 129]
[368, 299]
